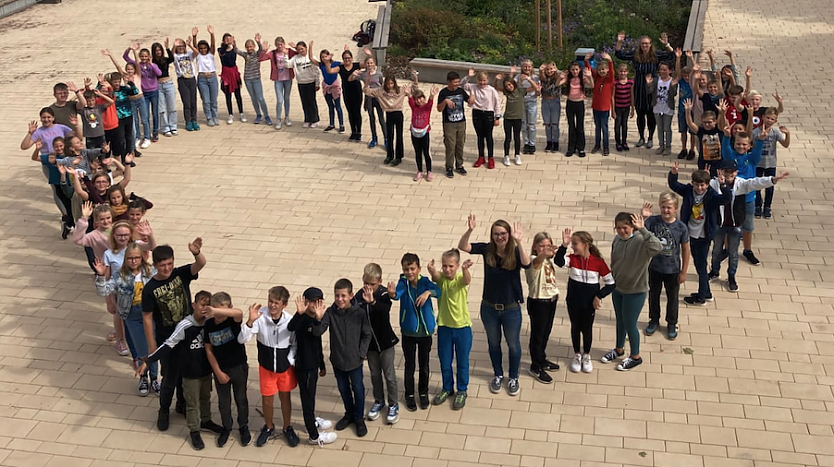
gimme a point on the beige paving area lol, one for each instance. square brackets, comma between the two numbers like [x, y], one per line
[748, 382]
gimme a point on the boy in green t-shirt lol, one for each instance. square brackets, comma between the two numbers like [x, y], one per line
[454, 325]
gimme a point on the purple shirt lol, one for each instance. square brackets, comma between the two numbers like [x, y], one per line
[149, 73]
[46, 135]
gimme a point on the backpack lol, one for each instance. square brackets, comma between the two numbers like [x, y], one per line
[365, 34]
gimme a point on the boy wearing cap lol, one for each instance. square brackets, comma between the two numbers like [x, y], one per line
[732, 215]
[309, 361]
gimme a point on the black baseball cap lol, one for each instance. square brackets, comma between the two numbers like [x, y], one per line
[729, 164]
[313, 293]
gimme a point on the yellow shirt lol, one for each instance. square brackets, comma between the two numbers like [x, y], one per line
[138, 285]
[454, 295]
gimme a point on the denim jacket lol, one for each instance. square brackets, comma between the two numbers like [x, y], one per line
[123, 287]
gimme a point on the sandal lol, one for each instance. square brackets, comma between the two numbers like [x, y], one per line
[112, 336]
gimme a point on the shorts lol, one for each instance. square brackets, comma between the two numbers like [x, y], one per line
[682, 126]
[749, 211]
[272, 382]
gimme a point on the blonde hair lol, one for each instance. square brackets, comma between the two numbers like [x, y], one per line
[668, 197]
[454, 253]
[144, 266]
[112, 238]
[481, 75]
[538, 238]
[221, 299]
[753, 93]
[100, 210]
[372, 271]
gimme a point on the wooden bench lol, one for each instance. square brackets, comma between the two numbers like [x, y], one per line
[381, 33]
[695, 28]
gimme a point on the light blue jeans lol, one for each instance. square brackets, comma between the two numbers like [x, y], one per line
[167, 106]
[551, 114]
[140, 119]
[151, 108]
[528, 130]
[256, 93]
[733, 236]
[282, 97]
[208, 93]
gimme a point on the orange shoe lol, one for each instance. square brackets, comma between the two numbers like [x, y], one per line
[479, 162]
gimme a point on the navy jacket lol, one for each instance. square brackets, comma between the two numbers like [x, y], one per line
[712, 200]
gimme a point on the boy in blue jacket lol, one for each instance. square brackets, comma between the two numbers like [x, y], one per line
[700, 214]
[417, 325]
[746, 154]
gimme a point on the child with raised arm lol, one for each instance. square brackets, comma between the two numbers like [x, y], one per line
[575, 82]
[525, 80]
[227, 358]
[513, 113]
[454, 326]
[276, 360]
[91, 105]
[391, 98]
[230, 76]
[667, 269]
[485, 115]
[450, 102]
[309, 362]
[767, 165]
[331, 86]
[663, 91]
[603, 101]
[186, 345]
[281, 73]
[708, 134]
[417, 324]
[186, 71]
[541, 305]
[252, 77]
[371, 104]
[420, 129]
[376, 303]
[307, 76]
[207, 75]
[551, 92]
[352, 91]
[350, 338]
[149, 73]
[685, 92]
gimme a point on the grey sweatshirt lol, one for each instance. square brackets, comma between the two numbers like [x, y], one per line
[350, 336]
[630, 260]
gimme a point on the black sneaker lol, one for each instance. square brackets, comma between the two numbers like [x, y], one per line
[752, 258]
[361, 428]
[396, 162]
[291, 437]
[387, 160]
[424, 401]
[582, 154]
[197, 441]
[732, 285]
[768, 213]
[65, 230]
[556, 146]
[330, 128]
[611, 356]
[265, 435]
[652, 327]
[595, 150]
[682, 154]
[245, 436]
[708, 298]
[526, 149]
[550, 366]
[410, 404]
[341, 130]
[758, 212]
[180, 407]
[461, 170]
[460, 400]
[629, 363]
[568, 154]
[540, 376]
[605, 151]
[344, 422]
[549, 147]
[162, 420]
[223, 438]
[532, 149]
[713, 275]
[672, 331]
[691, 155]
[450, 173]
[212, 427]
[694, 301]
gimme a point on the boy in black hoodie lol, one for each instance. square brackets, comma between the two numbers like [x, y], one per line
[186, 342]
[376, 304]
[309, 361]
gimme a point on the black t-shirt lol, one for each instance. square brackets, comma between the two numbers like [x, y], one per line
[354, 88]
[224, 345]
[710, 103]
[459, 97]
[501, 286]
[710, 146]
[169, 300]
[308, 353]
[758, 115]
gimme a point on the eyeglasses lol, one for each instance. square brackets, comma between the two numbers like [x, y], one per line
[134, 258]
[123, 235]
[500, 234]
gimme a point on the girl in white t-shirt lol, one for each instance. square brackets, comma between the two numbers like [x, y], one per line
[207, 75]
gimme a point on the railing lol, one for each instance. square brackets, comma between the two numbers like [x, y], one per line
[695, 28]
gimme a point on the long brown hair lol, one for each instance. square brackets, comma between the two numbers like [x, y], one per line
[508, 259]
[586, 238]
[144, 266]
[645, 57]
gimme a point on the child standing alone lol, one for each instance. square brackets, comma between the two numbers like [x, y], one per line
[420, 128]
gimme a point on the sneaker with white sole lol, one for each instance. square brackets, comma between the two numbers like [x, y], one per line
[146, 143]
[314, 125]
[373, 414]
[230, 120]
[587, 366]
[629, 363]
[576, 364]
[518, 159]
[611, 355]
[513, 387]
[304, 125]
[393, 414]
[278, 125]
[243, 118]
[121, 348]
[156, 386]
[144, 386]
[323, 424]
[327, 437]
[507, 160]
[495, 384]
[287, 121]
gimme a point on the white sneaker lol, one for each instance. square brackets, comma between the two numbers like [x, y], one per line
[243, 118]
[324, 438]
[287, 121]
[230, 120]
[506, 159]
[587, 366]
[576, 364]
[146, 143]
[304, 125]
[314, 125]
[323, 424]
[137, 143]
[518, 159]
[278, 125]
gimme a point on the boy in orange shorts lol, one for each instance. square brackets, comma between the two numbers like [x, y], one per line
[276, 357]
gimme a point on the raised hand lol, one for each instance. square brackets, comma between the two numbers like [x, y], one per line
[513, 69]
[470, 222]
[196, 246]
[73, 119]
[688, 53]
[88, 82]
[105, 148]
[144, 229]
[518, 232]
[720, 176]
[467, 264]
[687, 105]
[319, 308]
[258, 37]
[647, 210]
[722, 107]
[620, 36]
[749, 72]
[39, 144]
[566, 237]
[105, 52]
[431, 268]
[471, 72]
[33, 126]
[99, 267]
[434, 91]
[777, 97]
[589, 56]
[167, 42]
[678, 52]
[129, 158]
[664, 38]
[710, 54]
[135, 47]
[100, 77]
[72, 87]
[784, 129]
[637, 221]
[299, 304]
[254, 312]
[728, 53]
[87, 209]
[605, 56]
[210, 30]
[392, 288]
[780, 177]
[194, 31]
[674, 169]
[649, 79]
[368, 294]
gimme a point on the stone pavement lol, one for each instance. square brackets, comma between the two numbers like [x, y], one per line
[747, 383]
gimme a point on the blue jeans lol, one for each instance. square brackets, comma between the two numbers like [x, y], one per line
[352, 390]
[601, 127]
[208, 93]
[334, 105]
[700, 250]
[627, 308]
[140, 120]
[551, 114]
[256, 92]
[457, 343]
[136, 341]
[528, 120]
[151, 104]
[167, 106]
[733, 236]
[282, 97]
[510, 321]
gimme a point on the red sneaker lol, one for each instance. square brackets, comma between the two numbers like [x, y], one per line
[491, 163]
[479, 162]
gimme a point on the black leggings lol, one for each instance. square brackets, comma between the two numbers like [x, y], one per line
[512, 132]
[353, 103]
[419, 349]
[307, 93]
[575, 112]
[484, 122]
[621, 125]
[645, 116]
[394, 125]
[542, 313]
[581, 326]
[421, 151]
[372, 105]
[228, 94]
[121, 138]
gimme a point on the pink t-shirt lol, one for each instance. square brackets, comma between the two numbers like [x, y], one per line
[280, 69]
[420, 117]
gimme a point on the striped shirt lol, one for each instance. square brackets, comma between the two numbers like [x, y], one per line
[252, 63]
[642, 98]
[622, 93]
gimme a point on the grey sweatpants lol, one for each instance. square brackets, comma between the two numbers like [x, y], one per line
[382, 363]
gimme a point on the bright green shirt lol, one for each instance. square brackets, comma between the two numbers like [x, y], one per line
[454, 294]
